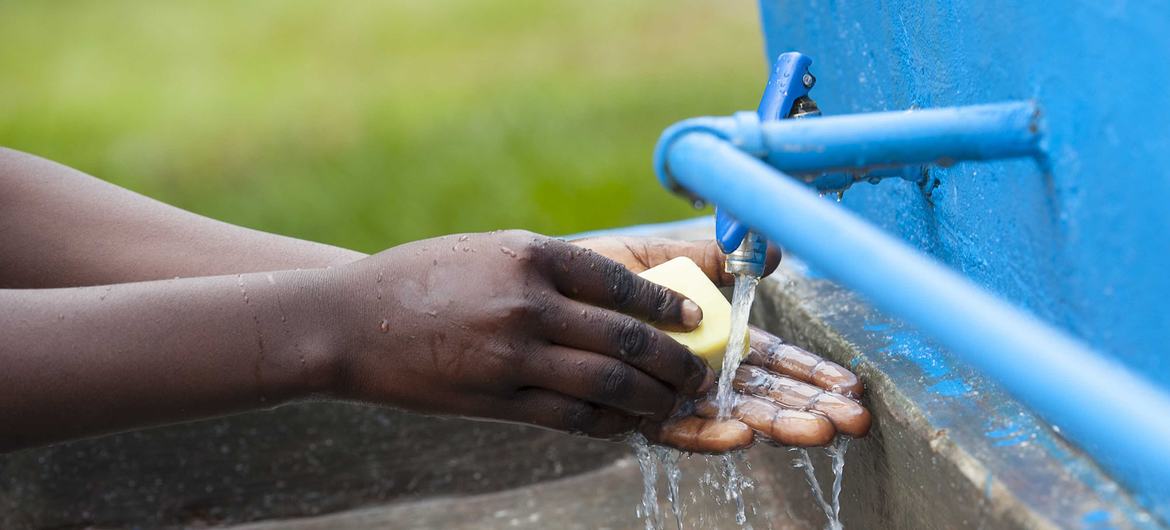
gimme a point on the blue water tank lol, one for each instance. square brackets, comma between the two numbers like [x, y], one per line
[1083, 243]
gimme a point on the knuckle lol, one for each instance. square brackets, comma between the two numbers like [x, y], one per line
[518, 309]
[615, 380]
[635, 340]
[523, 244]
[538, 303]
[663, 300]
[580, 418]
[502, 360]
[539, 247]
[622, 285]
[696, 374]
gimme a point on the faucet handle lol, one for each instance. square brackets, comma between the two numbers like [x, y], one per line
[785, 96]
[789, 82]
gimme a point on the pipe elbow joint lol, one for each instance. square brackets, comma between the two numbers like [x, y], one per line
[741, 129]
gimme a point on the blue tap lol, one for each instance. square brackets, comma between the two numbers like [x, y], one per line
[785, 96]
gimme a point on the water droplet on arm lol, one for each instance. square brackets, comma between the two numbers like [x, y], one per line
[384, 326]
[508, 252]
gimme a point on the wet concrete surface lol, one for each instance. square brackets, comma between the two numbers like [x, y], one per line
[600, 499]
[298, 460]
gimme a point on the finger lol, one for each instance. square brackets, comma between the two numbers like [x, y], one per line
[700, 435]
[587, 276]
[786, 426]
[584, 327]
[601, 380]
[551, 410]
[848, 416]
[769, 351]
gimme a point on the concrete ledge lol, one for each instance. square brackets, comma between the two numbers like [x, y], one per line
[600, 499]
[948, 449]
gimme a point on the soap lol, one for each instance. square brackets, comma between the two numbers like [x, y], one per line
[709, 340]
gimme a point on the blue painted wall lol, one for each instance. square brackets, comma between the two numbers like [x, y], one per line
[1084, 245]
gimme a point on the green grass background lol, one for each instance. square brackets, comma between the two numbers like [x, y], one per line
[366, 124]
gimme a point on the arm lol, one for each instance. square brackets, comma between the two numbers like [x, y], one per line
[509, 326]
[91, 360]
[62, 228]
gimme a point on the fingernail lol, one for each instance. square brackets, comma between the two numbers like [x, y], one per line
[692, 314]
[708, 381]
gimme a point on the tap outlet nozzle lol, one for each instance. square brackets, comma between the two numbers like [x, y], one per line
[748, 258]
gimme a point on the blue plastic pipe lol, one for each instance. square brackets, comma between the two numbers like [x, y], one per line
[944, 135]
[1117, 416]
[856, 142]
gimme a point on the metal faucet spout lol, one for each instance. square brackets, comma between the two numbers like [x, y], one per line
[748, 258]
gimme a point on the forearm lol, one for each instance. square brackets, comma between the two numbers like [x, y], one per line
[60, 227]
[84, 361]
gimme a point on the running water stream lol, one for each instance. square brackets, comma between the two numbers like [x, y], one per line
[832, 506]
[741, 307]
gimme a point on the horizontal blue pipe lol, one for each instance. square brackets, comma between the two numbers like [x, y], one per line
[946, 135]
[855, 142]
[1112, 413]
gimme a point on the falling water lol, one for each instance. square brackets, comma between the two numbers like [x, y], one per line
[734, 488]
[837, 452]
[831, 507]
[741, 306]
[648, 509]
[668, 458]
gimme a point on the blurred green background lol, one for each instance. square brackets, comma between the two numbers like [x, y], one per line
[365, 124]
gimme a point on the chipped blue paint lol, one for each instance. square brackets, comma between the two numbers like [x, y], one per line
[1010, 430]
[908, 345]
[1015, 440]
[1097, 520]
[951, 388]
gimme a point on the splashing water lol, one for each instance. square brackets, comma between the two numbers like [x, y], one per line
[723, 480]
[648, 509]
[804, 463]
[668, 458]
[832, 508]
[837, 453]
[741, 306]
[735, 487]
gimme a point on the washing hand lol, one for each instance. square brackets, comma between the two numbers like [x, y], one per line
[785, 395]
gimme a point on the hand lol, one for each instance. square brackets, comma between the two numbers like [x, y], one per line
[785, 395]
[516, 327]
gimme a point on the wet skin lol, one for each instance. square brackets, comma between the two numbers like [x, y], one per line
[785, 395]
[508, 326]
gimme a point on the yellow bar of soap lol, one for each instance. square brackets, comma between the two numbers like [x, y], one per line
[709, 340]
